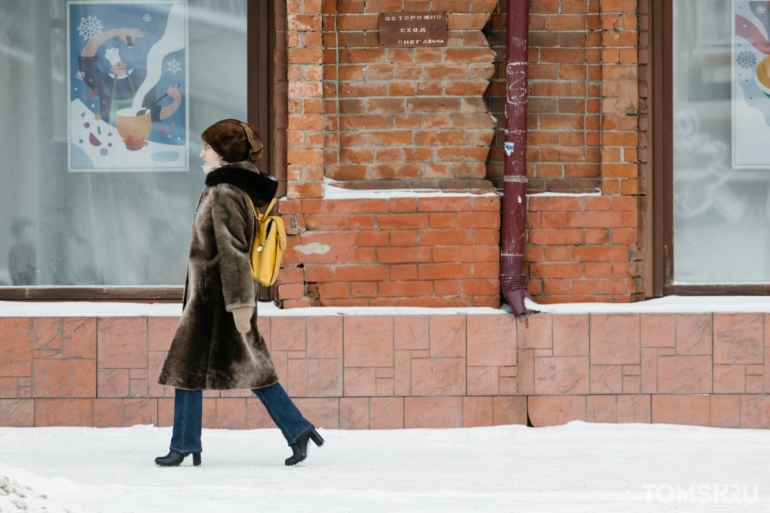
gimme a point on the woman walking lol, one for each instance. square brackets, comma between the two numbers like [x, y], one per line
[217, 345]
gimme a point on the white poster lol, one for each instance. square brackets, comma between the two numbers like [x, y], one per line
[751, 84]
[128, 86]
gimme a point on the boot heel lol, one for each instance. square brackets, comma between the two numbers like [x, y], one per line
[316, 438]
[196, 459]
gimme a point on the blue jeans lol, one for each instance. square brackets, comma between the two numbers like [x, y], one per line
[188, 415]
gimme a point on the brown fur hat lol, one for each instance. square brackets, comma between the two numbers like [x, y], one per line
[234, 141]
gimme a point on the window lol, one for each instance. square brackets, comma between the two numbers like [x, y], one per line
[64, 224]
[718, 164]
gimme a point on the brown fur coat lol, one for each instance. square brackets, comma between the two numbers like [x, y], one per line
[208, 352]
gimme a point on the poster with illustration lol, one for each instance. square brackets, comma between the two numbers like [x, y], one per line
[751, 84]
[128, 86]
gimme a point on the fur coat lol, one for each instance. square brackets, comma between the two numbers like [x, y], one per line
[208, 352]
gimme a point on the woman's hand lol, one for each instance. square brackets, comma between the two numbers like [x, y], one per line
[242, 317]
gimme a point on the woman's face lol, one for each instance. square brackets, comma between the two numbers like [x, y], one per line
[209, 155]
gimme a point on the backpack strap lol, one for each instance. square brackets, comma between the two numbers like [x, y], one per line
[277, 223]
[269, 207]
[260, 217]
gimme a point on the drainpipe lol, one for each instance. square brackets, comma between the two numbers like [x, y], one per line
[512, 281]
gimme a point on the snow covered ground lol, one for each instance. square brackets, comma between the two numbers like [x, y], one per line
[574, 468]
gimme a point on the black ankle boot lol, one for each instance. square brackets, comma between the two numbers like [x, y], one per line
[174, 459]
[300, 448]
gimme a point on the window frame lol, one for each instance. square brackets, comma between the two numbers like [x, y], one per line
[260, 52]
[662, 111]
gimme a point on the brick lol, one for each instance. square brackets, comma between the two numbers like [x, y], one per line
[360, 382]
[304, 55]
[596, 220]
[692, 410]
[738, 338]
[17, 413]
[509, 410]
[444, 271]
[231, 413]
[113, 383]
[634, 408]
[694, 334]
[448, 336]
[570, 335]
[535, 331]
[9, 388]
[615, 339]
[729, 379]
[402, 221]
[315, 378]
[477, 411]
[15, 346]
[555, 410]
[684, 374]
[446, 237]
[122, 342]
[602, 408]
[160, 332]
[125, 412]
[287, 334]
[64, 378]
[354, 413]
[321, 412]
[483, 381]
[368, 341]
[725, 411]
[555, 237]
[412, 332]
[600, 254]
[606, 379]
[438, 376]
[64, 412]
[324, 337]
[433, 412]
[658, 330]
[405, 289]
[562, 375]
[491, 340]
[473, 254]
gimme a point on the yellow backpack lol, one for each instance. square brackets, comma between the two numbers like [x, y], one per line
[269, 243]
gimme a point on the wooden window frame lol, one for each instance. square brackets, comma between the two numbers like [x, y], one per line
[662, 54]
[261, 42]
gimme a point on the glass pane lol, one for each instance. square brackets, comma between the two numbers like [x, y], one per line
[60, 225]
[721, 142]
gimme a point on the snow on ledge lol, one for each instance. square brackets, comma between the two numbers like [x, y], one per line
[670, 304]
[332, 191]
[597, 192]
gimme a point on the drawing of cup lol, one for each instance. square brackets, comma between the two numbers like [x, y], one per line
[134, 129]
[762, 76]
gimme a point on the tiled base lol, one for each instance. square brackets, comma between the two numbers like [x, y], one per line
[407, 371]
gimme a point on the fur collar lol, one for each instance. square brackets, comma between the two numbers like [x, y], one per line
[247, 177]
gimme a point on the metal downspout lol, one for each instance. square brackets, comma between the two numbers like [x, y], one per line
[512, 281]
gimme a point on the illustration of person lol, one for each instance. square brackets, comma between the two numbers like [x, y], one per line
[21, 258]
[116, 90]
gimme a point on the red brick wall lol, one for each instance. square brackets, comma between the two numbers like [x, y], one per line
[374, 117]
[583, 135]
[413, 116]
[424, 251]
[382, 118]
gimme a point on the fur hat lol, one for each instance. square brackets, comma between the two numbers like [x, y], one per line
[234, 141]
